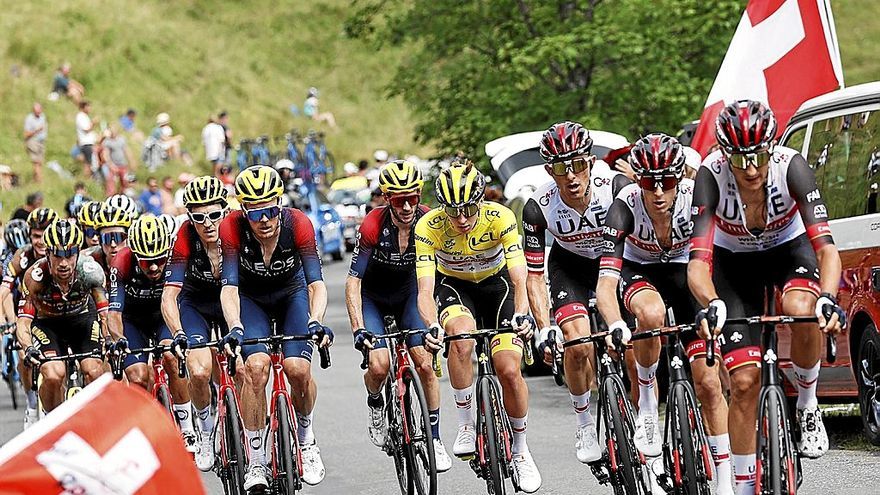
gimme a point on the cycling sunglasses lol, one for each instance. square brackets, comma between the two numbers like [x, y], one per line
[742, 161]
[466, 210]
[575, 165]
[145, 263]
[652, 182]
[398, 200]
[89, 232]
[257, 215]
[65, 253]
[111, 237]
[201, 218]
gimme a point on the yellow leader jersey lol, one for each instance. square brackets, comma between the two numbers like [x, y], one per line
[493, 242]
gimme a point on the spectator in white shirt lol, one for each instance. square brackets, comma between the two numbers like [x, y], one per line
[214, 140]
[86, 136]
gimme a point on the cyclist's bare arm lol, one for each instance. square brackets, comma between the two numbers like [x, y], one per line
[7, 311]
[354, 303]
[539, 301]
[534, 229]
[518, 276]
[170, 311]
[426, 265]
[427, 308]
[99, 295]
[23, 332]
[606, 299]
[231, 304]
[114, 324]
[830, 268]
[26, 312]
[699, 273]
[317, 300]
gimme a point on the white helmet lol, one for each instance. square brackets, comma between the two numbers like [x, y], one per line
[380, 155]
[123, 202]
[350, 168]
[283, 164]
[313, 91]
[170, 223]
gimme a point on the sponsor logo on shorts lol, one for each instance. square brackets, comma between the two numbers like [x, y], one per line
[736, 337]
[562, 295]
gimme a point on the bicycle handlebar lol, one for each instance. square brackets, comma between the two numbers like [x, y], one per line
[400, 334]
[487, 332]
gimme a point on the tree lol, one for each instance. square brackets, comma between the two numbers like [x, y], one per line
[477, 70]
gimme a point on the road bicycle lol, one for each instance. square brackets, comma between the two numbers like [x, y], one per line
[160, 390]
[409, 441]
[9, 368]
[73, 379]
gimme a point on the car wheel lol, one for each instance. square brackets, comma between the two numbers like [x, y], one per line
[868, 372]
[336, 255]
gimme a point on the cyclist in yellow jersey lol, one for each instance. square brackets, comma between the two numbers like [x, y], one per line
[472, 274]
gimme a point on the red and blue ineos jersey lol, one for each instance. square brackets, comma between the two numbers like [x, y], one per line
[377, 259]
[130, 291]
[190, 267]
[294, 262]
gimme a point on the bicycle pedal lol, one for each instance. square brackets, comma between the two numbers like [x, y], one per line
[599, 472]
[467, 457]
[665, 482]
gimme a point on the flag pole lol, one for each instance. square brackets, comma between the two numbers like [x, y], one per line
[831, 35]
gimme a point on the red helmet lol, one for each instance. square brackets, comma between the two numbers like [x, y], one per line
[565, 140]
[745, 126]
[657, 154]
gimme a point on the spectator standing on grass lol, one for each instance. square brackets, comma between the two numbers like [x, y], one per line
[117, 159]
[86, 137]
[80, 196]
[64, 85]
[151, 198]
[311, 110]
[164, 134]
[35, 130]
[128, 124]
[167, 194]
[214, 141]
[31, 203]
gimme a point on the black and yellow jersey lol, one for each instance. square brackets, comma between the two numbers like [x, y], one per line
[493, 243]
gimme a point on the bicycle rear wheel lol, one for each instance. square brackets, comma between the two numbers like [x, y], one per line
[394, 439]
[631, 472]
[420, 447]
[9, 370]
[233, 447]
[494, 435]
[687, 455]
[285, 450]
[776, 471]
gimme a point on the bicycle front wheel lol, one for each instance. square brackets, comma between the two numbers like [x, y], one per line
[631, 472]
[285, 450]
[420, 444]
[233, 447]
[689, 467]
[163, 396]
[776, 471]
[494, 434]
[394, 438]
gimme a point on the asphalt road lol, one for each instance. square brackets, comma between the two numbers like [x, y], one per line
[355, 466]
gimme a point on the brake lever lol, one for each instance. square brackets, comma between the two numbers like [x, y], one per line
[712, 321]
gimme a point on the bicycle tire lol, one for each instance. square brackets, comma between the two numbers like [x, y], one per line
[163, 396]
[9, 372]
[493, 436]
[690, 478]
[394, 439]
[775, 471]
[631, 467]
[286, 450]
[420, 458]
[234, 445]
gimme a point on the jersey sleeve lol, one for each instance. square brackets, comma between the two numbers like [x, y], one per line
[426, 245]
[26, 307]
[120, 274]
[13, 269]
[175, 271]
[706, 197]
[94, 276]
[618, 183]
[367, 238]
[534, 231]
[618, 225]
[802, 185]
[510, 240]
[304, 240]
[230, 243]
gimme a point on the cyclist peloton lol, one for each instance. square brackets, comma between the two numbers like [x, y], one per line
[759, 219]
[10, 290]
[271, 270]
[382, 282]
[647, 235]
[137, 276]
[469, 256]
[572, 207]
[55, 312]
[191, 298]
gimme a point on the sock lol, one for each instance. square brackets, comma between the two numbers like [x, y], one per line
[744, 468]
[183, 413]
[375, 400]
[205, 419]
[806, 385]
[434, 417]
[255, 446]
[304, 429]
[647, 384]
[519, 425]
[720, 447]
[581, 404]
[32, 400]
[464, 406]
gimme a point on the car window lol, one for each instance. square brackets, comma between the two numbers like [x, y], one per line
[795, 140]
[845, 153]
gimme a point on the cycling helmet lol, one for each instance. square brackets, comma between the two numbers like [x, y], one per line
[284, 164]
[657, 154]
[170, 223]
[564, 141]
[400, 176]
[41, 218]
[148, 237]
[258, 184]
[110, 216]
[204, 190]
[460, 184]
[62, 234]
[88, 213]
[745, 126]
[123, 202]
[16, 234]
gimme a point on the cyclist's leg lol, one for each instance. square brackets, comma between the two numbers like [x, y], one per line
[293, 318]
[199, 362]
[256, 376]
[85, 336]
[379, 359]
[423, 360]
[457, 317]
[135, 365]
[51, 390]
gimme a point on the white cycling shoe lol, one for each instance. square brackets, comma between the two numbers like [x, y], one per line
[528, 478]
[190, 441]
[255, 478]
[586, 444]
[441, 458]
[465, 442]
[647, 437]
[377, 427]
[814, 439]
[31, 416]
[313, 466]
[205, 454]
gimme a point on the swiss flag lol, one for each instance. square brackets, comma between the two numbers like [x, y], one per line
[109, 439]
[783, 53]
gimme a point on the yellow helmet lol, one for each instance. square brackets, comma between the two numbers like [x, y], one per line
[110, 216]
[148, 237]
[41, 218]
[400, 176]
[88, 213]
[204, 190]
[460, 184]
[62, 235]
[258, 184]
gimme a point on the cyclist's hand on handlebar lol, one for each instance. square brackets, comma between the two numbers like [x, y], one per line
[179, 344]
[544, 344]
[832, 318]
[109, 347]
[710, 320]
[33, 355]
[525, 325]
[121, 346]
[231, 342]
[324, 333]
[620, 332]
[364, 339]
[434, 337]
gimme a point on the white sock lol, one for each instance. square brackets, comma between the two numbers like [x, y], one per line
[304, 429]
[806, 385]
[581, 404]
[720, 447]
[183, 413]
[205, 417]
[32, 399]
[647, 384]
[519, 425]
[464, 405]
[256, 449]
[744, 467]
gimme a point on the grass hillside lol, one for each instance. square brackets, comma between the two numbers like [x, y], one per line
[193, 58]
